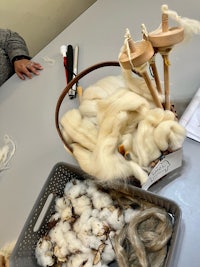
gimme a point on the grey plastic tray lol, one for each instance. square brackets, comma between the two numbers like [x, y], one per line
[23, 254]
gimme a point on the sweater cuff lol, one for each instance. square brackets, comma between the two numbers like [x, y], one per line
[19, 58]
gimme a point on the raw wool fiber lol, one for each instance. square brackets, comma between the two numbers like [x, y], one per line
[143, 242]
[5, 253]
[190, 26]
[7, 151]
[115, 112]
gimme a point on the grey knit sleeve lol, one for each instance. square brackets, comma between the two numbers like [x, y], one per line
[13, 44]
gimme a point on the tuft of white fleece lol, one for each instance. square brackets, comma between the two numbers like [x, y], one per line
[6, 152]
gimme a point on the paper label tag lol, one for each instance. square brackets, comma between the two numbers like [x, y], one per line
[169, 163]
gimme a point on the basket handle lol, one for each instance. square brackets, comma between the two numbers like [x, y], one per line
[69, 86]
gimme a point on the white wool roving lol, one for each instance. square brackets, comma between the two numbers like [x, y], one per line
[172, 135]
[139, 86]
[156, 133]
[121, 132]
[103, 88]
[6, 152]
[79, 129]
[105, 162]
[190, 26]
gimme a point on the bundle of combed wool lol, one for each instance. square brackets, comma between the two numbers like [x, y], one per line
[117, 131]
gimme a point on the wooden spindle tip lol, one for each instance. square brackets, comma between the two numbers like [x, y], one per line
[164, 8]
[165, 18]
[130, 41]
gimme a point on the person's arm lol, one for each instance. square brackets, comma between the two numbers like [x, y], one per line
[16, 49]
[13, 44]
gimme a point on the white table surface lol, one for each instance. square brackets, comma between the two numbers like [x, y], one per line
[27, 111]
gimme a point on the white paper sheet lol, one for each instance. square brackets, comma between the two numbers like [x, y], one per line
[191, 118]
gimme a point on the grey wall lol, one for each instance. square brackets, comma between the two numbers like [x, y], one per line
[40, 21]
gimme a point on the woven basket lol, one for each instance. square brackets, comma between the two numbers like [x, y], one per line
[23, 254]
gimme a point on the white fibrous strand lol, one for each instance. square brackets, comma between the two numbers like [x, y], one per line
[6, 152]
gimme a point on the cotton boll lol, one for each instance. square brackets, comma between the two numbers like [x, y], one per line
[64, 251]
[73, 243]
[88, 229]
[77, 190]
[108, 254]
[101, 200]
[67, 213]
[82, 222]
[91, 188]
[62, 248]
[81, 204]
[95, 213]
[106, 212]
[57, 233]
[60, 253]
[55, 217]
[44, 245]
[90, 184]
[77, 225]
[116, 219]
[45, 260]
[61, 204]
[89, 241]
[64, 226]
[129, 214]
[68, 186]
[97, 226]
[78, 260]
[44, 253]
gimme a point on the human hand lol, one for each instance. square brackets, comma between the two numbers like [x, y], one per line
[26, 67]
